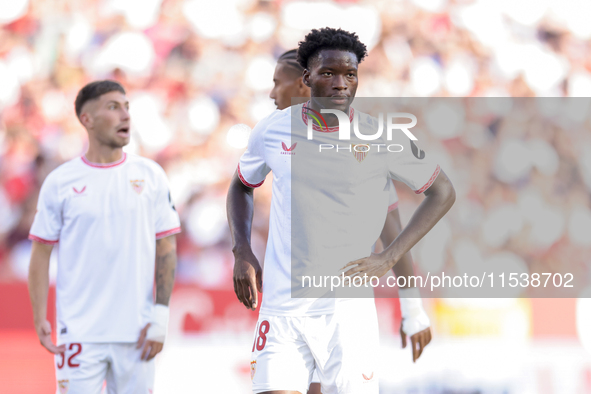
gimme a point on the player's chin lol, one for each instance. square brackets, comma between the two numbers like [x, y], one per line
[339, 103]
[120, 141]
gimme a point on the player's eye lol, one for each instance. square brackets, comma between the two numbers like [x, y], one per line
[326, 73]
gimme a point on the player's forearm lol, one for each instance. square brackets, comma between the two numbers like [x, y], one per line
[439, 198]
[240, 209]
[165, 268]
[392, 229]
[39, 281]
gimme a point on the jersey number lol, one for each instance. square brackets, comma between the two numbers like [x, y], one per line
[260, 340]
[71, 364]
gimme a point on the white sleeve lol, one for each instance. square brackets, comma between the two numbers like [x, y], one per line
[48, 220]
[412, 166]
[253, 168]
[392, 198]
[167, 218]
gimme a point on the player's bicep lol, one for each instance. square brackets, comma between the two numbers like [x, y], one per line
[166, 245]
[442, 186]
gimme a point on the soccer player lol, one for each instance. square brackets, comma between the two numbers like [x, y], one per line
[337, 336]
[113, 221]
[289, 89]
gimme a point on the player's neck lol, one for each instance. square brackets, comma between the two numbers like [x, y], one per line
[331, 120]
[103, 154]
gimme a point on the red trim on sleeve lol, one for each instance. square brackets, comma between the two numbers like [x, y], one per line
[244, 180]
[393, 207]
[104, 165]
[431, 180]
[41, 240]
[166, 233]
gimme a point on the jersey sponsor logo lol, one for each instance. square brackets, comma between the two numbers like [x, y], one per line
[170, 201]
[368, 378]
[79, 191]
[360, 151]
[288, 151]
[137, 185]
[63, 386]
[253, 369]
[64, 331]
[416, 151]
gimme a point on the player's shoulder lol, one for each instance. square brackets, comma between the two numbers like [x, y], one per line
[277, 117]
[65, 170]
[145, 163]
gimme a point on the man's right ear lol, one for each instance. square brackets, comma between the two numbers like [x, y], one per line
[306, 77]
[86, 120]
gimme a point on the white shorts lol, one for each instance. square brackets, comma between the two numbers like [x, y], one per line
[342, 347]
[84, 367]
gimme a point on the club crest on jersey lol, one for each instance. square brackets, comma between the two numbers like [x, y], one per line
[253, 369]
[286, 150]
[79, 191]
[63, 386]
[137, 185]
[360, 151]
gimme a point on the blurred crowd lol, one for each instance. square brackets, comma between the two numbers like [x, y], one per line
[196, 72]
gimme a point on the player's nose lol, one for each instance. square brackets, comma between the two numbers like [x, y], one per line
[339, 82]
[125, 114]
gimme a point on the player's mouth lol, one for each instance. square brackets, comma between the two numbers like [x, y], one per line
[339, 99]
[123, 131]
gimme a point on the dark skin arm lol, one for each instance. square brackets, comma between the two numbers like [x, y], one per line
[404, 268]
[438, 200]
[165, 269]
[248, 275]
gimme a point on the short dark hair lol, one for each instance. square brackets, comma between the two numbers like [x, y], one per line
[94, 90]
[329, 38]
[289, 58]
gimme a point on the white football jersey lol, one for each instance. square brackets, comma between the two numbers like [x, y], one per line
[105, 219]
[392, 197]
[328, 207]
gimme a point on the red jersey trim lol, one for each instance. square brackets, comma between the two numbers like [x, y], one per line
[104, 165]
[316, 127]
[393, 207]
[41, 240]
[431, 180]
[166, 233]
[245, 182]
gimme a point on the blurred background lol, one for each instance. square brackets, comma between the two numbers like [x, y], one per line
[196, 72]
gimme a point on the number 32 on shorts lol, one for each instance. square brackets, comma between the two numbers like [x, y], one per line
[77, 348]
[260, 339]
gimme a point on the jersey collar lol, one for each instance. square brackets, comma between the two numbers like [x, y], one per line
[104, 165]
[323, 129]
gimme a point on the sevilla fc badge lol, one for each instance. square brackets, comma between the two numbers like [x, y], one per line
[360, 151]
[253, 369]
[63, 386]
[137, 185]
